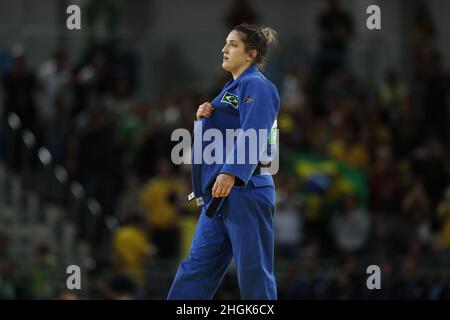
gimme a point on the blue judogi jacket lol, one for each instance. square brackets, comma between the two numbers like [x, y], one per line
[249, 102]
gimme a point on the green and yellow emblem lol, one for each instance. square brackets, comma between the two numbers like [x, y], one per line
[231, 99]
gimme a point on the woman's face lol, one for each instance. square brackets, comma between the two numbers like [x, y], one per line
[235, 57]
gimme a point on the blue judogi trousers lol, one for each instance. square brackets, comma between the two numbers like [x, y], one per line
[243, 229]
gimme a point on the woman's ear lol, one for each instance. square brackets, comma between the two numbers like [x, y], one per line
[252, 55]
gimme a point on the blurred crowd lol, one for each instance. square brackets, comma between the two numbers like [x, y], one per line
[88, 114]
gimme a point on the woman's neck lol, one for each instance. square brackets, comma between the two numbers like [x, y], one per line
[238, 72]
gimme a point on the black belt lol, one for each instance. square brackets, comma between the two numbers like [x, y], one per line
[215, 202]
[212, 208]
[259, 167]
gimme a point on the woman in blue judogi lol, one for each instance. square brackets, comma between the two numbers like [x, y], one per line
[238, 200]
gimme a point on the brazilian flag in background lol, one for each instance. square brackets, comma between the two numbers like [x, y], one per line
[324, 181]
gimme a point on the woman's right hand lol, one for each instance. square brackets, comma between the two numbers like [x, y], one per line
[204, 110]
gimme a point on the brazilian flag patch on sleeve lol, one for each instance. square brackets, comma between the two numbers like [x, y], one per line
[231, 99]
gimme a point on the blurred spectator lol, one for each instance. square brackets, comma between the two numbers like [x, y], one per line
[54, 78]
[416, 205]
[430, 164]
[288, 220]
[310, 285]
[336, 28]
[381, 131]
[189, 215]
[8, 290]
[98, 157]
[175, 73]
[347, 283]
[113, 284]
[131, 248]
[424, 36]
[240, 12]
[348, 145]
[291, 130]
[95, 160]
[96, 75]
[440, 287]
[42, 270]
[384, 182]
[410, 285]
[187, 224]
[128, 202]
[406, 129]
[286, 277]
[443, 211]
[102, 23]
[120, 103]
[159, 198]
[343, 86]
[384, 236]
[19, 86]
[434, 102]
[392, 92]
[292, 94]
[152, 148]
[132, 131]
[350, 227]
[4, 254]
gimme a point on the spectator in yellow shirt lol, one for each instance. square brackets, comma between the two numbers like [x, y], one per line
[159, 199]
[443, 210]
[131, 247]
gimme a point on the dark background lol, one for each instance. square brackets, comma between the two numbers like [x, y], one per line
[86, 119]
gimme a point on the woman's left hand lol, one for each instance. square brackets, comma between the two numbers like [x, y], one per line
[222, 186]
